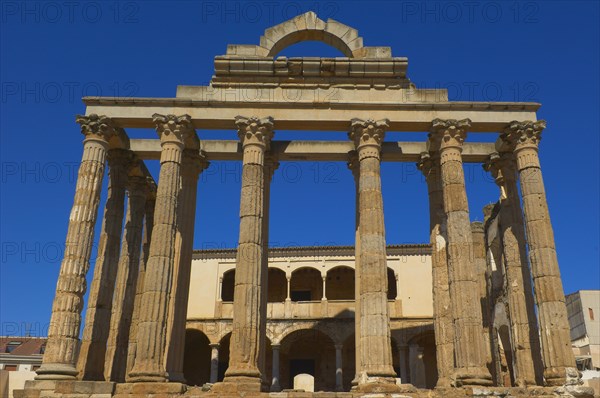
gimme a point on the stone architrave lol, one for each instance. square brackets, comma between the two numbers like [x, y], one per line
[145, 253]
[442, 305]
[150, 364]
[193, 163]
[374, 342]
[248, 306]
[522, 139]
[92, 353]
[523, 324]
[63, 333]
[115, 368]
[447, 136]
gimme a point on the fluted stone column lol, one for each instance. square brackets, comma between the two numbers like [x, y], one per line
[523, 324]
[139, 289]
[192, 165]
[447, 136]
[150, 364]
[115, 367]
[270, 165]
[97, 318]
[522, 138]
[374, 342]
[248, 304]
[63, 333]
[442, 305]
[354, 166]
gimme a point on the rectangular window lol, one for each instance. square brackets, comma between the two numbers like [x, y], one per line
[10, 347]
[10, 368]
[591, 314]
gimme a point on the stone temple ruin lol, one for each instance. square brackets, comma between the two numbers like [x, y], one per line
[483, 276]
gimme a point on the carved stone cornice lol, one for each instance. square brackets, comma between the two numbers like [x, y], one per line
[175, 129]
[102, 128]
[368, 132]
[519, 135]
[255, 131]
[449, 133]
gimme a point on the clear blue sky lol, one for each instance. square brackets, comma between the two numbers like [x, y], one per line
[53, 53]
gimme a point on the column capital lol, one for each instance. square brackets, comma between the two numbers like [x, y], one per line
[176, 130]
[138, 186]
[255, 131]
[214, 345]
[271, 164]
[353, 164]
[275, 346]
[519, 135]
[338, 346]
[365, 133]
[501, 166]
[101, 128]
[193, 162]
[448, 133]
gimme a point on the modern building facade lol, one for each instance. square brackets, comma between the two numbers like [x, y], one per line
[583, 307]
[20, 357]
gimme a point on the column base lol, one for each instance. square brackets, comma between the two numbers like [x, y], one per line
[374, 384]
[147, 377]
[56, 371]
[237, 384]
[556, 377]
[472, 377]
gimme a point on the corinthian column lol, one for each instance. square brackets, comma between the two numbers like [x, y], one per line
[248, 306]
[192, 166]
[524, 331]
[374, 342]
[127, 276]
[522, 138]
[354, 166]
[447, 136]
[139, 288]
[149, 364]
[97, 319]
[63, 334]
[442, 305]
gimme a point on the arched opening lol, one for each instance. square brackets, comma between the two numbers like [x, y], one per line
[310, 47]
[277, 286]
[196, 358]
[308, 351]
[318, 35]
[227, 285]
[306, 285]
[422, 361]
[339, 284]
[392, 290]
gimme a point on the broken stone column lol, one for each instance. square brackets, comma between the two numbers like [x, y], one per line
[522, 138]
[139, 288]
[97, 318]
[150, 364]
[63, 333]
[442, 305]
[374, 343]
[523, 324]
[447, 136]
[192, 165]
[127, 275]
[248, 305]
